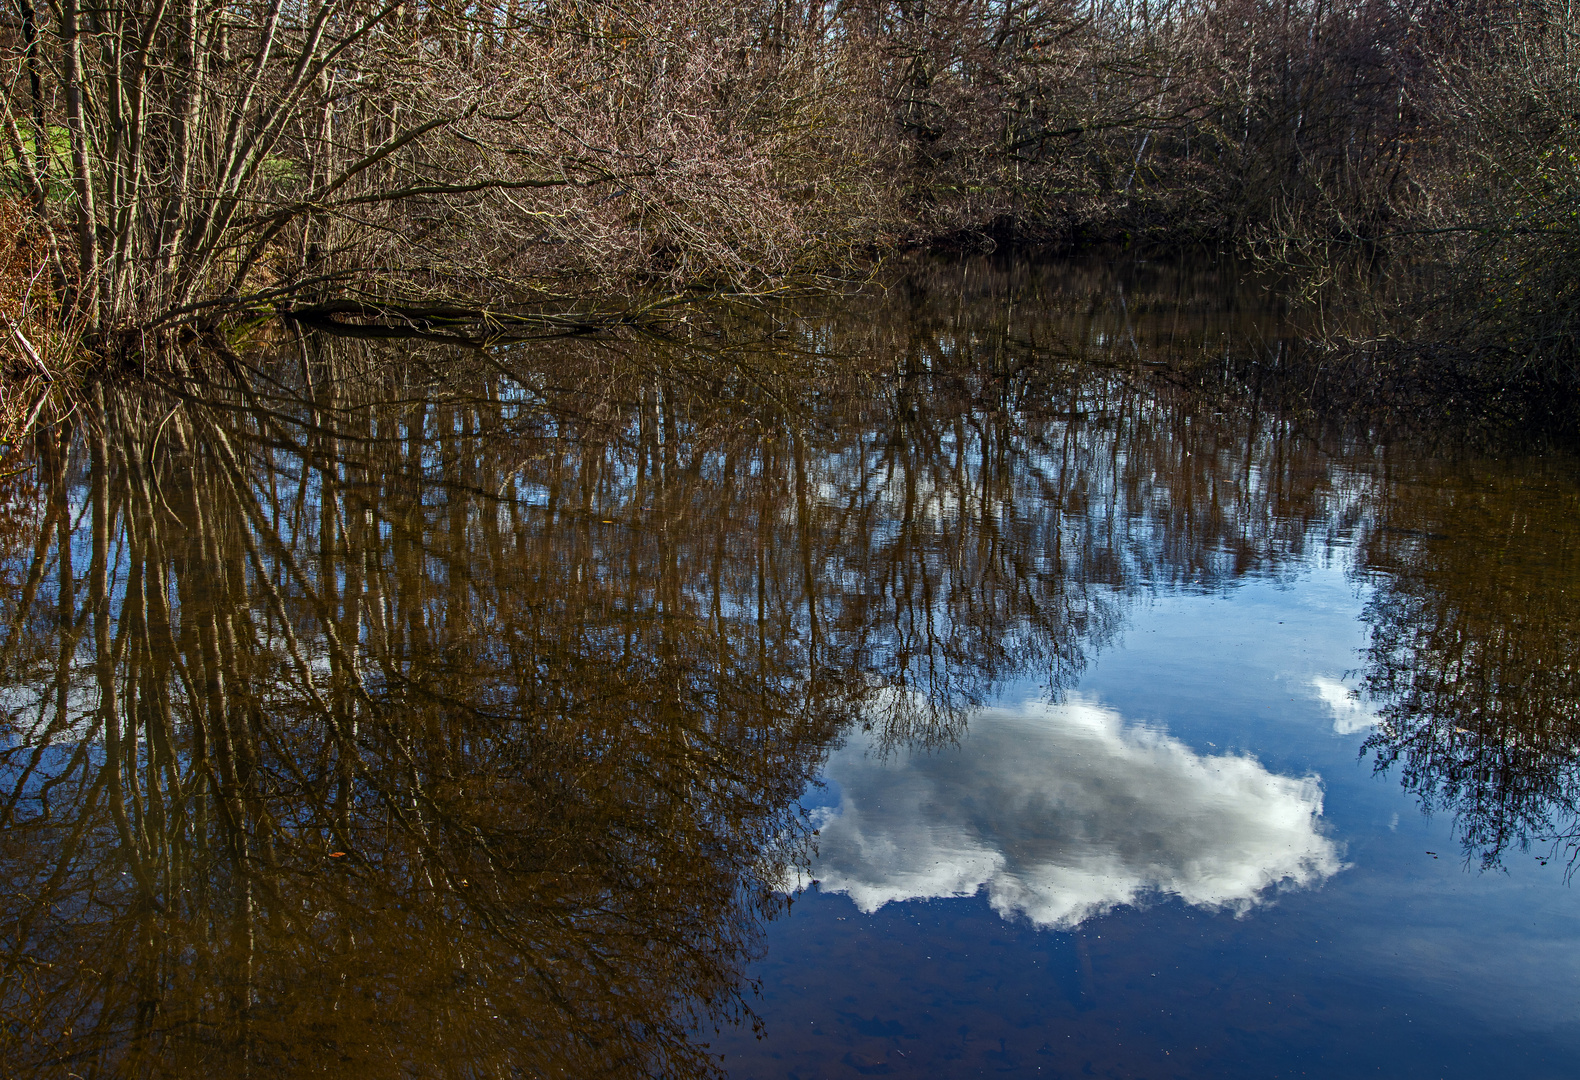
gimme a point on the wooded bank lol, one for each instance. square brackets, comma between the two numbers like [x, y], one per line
[178, 165]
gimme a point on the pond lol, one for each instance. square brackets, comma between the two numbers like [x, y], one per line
[951, 680]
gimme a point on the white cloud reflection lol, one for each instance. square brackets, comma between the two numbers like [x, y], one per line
[1062, 812]
[1350, 714]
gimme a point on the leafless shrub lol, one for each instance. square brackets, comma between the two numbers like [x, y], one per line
[37, 340]
[200, 162]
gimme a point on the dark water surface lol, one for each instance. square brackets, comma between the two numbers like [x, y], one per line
[943, 685]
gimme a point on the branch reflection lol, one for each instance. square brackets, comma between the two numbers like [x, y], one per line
[1475, 631]
[404, 711]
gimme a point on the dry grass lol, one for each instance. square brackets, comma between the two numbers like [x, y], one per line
[40, 356]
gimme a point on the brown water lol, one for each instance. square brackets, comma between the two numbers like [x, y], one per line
[393, 710]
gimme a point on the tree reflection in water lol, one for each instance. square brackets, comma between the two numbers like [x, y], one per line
[1474, 647]
[422, 713]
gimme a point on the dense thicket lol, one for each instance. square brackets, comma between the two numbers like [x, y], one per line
[187, 161]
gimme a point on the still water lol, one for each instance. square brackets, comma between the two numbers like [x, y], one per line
[961, 681]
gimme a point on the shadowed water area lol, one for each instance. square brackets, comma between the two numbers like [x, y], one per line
[937, 683]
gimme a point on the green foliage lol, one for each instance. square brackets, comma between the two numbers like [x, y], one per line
[56, 151]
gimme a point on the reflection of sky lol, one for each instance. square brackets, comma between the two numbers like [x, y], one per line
[1350, 714]
[1061, 812]
[1404, 965]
